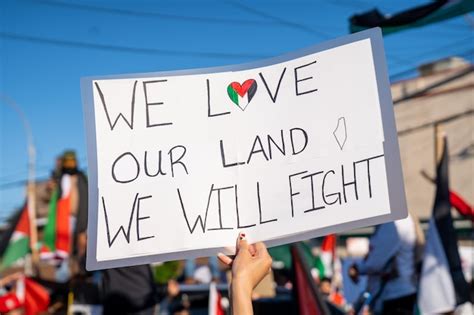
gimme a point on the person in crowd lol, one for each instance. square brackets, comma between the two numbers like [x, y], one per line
[390, 265]
[329, 292]
[174, 302]
[249, 266]
[9, 302]
[70, 166]
[128, 290]
[201, 271]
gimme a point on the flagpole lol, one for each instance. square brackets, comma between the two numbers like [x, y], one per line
[31, 189]
[439, 138]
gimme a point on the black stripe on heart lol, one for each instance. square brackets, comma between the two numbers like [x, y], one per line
[251, 91]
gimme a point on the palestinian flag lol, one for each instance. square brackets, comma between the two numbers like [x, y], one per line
[28, 294]
[49, 241]
[464, 209]
[57, 234]
[307, 296]
[435, 11]
[456, 200]
[36, 298]
[442, 284]
[215, 307]
[9, 302]
[325, 261]
[19, 244]
[15, 297]
[241, 95]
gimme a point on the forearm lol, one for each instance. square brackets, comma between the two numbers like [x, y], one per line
[10, 278]
[241, 298]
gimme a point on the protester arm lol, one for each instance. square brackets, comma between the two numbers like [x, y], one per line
[241, 297]
[250, 265]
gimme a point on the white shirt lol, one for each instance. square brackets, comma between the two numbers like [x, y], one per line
[394, 239]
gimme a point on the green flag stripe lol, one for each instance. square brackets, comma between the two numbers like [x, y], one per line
[233, 95]
[15, 251]
[50, 228]
[318, 264]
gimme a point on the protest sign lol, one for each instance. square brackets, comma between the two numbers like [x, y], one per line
[284, 149]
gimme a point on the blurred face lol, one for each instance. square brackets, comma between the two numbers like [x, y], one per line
[325, 287]
[69, 163]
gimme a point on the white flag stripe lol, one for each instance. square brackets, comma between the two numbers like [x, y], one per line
[212, 299]
[436, 292]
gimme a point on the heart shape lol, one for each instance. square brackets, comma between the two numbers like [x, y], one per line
[241, 95]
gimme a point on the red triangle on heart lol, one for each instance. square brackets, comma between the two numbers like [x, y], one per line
[242, 89]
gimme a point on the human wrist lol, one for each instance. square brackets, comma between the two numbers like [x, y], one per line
[241, 288]
[241, 297]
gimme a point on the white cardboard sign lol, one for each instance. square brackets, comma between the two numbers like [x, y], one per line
[284, 149]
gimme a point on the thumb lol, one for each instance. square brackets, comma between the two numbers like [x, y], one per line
[242, 244]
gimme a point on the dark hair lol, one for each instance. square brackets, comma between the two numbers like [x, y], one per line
[325, 279]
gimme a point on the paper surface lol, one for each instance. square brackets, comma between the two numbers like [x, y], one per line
[285, 149]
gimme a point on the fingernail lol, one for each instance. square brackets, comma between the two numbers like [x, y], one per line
[242, 236]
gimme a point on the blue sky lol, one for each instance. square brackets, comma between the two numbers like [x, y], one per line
[46, 46]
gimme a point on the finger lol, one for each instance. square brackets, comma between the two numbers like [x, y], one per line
[261, 248]
[237, 243]
[243, 246]
[226, 260]
[252, 249]
[241, 241]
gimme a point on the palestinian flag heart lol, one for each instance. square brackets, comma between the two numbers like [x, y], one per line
[241, 95]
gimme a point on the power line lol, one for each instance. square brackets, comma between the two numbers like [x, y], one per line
[454, 44]
[19, 183]
[469, 20]
[87, 7]
[150, 51]
[434, 85]
[43, 168]
[14, 177]
[273, 20]
[436, 122]
[353, 5]
[281, 21]
[436, 50]
[410, 70]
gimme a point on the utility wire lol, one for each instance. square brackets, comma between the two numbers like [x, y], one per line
[43, 168]
[434, 51]
[410, 70]
[355, 5]
[456, 44]
[434, 85]
[281, 21]
[149, 51]
[274, 19]
[20, 182]
[117, 11]
[469, 20]
[14, 177]
[270, 19]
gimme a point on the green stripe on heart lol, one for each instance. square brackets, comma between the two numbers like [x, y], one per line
[241, 95]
